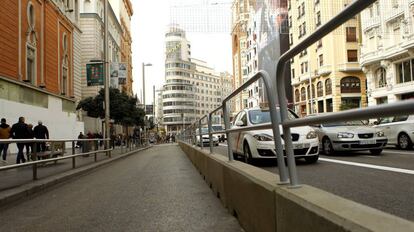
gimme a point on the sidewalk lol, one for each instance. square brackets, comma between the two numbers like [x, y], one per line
[156, 190]
[16, 177]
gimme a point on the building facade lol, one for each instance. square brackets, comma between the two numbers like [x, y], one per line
[192, 89]
[92, 40]
[326, 77]
[386, 54]
[38, 76]
[240, 20]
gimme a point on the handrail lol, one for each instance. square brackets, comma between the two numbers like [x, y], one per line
[48, 140]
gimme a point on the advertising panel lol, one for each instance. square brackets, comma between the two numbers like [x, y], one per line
[94, 74]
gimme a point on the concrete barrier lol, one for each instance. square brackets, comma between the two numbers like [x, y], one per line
[253, 196]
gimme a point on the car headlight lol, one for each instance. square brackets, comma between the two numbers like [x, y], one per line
[263, 137]
[380, 134]
[345, 135]
[311, 135]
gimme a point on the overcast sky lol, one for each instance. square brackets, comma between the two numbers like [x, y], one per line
[207, 23]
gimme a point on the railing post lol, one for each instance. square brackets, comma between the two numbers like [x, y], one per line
[73, 152]
[227, 127]
[200, 134]
[35, 159]
[275, 119]
[294, 182]
[210, 131]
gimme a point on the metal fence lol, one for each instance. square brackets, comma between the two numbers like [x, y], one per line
[289, 174]
[87, 147]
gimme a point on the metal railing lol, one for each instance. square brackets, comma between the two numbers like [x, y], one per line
[290, 175]
[86, 145]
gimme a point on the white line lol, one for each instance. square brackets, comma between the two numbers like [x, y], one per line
[383, 168]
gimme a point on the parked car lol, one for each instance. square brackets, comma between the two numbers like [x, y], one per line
[259, 143]
[399, 130]
[206, 138]
[350, 136]
[221, 137]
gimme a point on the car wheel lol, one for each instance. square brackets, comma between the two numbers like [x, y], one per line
[375, 151]
[247, 153]
[327, 146]
[404, 142]
[312, 159]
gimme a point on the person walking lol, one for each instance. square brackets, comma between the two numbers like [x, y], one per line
[41, 132]
[29, 146]
[19, 130]
[4, 134]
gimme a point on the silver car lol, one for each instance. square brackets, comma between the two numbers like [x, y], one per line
[350, 136]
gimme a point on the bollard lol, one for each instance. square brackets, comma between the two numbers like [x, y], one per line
[73, 152]
[35, 159]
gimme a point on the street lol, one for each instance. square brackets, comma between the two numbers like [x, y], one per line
[383, 182]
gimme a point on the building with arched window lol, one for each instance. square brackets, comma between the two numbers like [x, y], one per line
[39, 64]
[327, 64]
[386, 54]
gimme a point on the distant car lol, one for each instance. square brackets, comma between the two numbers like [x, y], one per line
[259, 143]
[221, 137]
[399, 130]
[350, 136]
[206, 138]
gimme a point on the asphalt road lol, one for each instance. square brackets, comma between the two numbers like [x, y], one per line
[154, 190]
[384, 182]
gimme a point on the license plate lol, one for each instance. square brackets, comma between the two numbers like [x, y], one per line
[301, 145]
[365, 142]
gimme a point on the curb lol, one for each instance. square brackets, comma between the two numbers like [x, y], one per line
[15, 194]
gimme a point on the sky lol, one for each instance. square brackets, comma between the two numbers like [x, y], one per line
[207, 23]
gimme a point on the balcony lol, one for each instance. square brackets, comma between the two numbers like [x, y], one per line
[370, 23]
[324, 70]
[350, 67]
[394, 12]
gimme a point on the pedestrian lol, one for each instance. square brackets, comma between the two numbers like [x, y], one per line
[79, 143]
[41, 132]
[29, 145]
[4, 134]
[19, 130]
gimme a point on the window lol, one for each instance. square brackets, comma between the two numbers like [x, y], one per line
[320, 60]
[297, 95]
[31, 45]
[328, 87]
[290, 21]
[352, 55]
[319, 44]
[405, 71]
[318, 19]
[350, 85]
[319, 88]
[303, 94]
[351, 34]
[381, 78]
[65, 65]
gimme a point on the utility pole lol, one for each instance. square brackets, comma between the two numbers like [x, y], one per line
[310, 86]
[143, 97]
[107, 74]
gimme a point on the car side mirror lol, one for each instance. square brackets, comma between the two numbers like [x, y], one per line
[239, 123]
[316, 125]
[376, 123]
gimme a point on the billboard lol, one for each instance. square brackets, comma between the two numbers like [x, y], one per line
[271, 34]
[118, 73]
[94, 74]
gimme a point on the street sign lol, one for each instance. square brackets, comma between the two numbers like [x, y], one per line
[94, 74]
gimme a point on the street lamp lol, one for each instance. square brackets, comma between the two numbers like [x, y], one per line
[143, 90]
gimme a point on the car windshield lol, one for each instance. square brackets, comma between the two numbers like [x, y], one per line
[203, 131]
[349, 123]
[217, 128]
[263, 116]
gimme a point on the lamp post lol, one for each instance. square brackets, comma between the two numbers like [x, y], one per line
[143, 90]
[106, 73]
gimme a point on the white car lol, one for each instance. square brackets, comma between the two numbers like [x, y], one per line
[206, 138]
[350, 136]
[260, 144]
[399, 130]
[219, 127]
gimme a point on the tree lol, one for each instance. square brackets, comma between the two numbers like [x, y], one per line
[123, 108]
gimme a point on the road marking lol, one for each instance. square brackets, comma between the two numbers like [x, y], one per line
[399, 152]
[383, 168]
